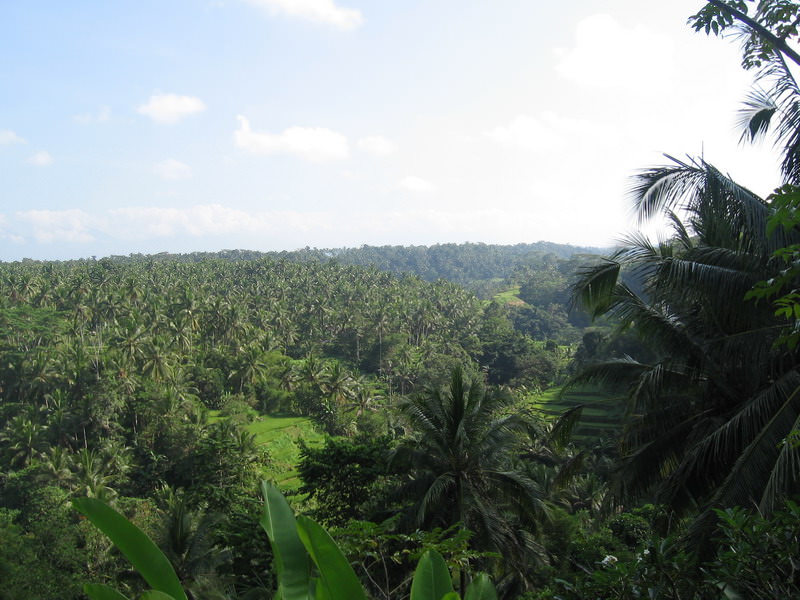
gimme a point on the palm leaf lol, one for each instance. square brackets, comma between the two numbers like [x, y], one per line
[431, 577]
[756, 115]
[291, 560]
[143, 554]
[561, 431]
[337, 578]
[101, 591]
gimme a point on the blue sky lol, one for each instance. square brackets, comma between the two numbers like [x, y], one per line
[184, 125]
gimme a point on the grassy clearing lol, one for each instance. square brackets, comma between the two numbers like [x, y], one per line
[509, 296]
[280, 435]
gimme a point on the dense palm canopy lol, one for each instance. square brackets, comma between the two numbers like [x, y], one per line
[709, 417]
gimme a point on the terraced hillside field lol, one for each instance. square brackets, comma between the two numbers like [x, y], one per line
[280, 435]
[601, 416]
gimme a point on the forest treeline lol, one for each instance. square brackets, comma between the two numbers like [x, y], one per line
[480, 267]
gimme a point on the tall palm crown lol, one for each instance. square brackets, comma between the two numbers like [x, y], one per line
[461, 457]
[708, 419]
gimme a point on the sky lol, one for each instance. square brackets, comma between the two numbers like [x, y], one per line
[198, 125]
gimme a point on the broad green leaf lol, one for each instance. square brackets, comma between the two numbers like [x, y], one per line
[155, 595]
[291, 560]
[337, 578]
[431, 579]
[481, 588]
[139, 549]
[730, 593]
[100, 591]
[451, 596]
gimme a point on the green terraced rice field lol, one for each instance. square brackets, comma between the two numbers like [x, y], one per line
[280, 435]
[509, 296]
[601, 416]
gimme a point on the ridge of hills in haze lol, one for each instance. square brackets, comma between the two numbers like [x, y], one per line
[464, 263]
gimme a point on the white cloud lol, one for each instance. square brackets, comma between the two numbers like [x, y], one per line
[171, 108]
[5, 235]
[608, 55]
[9, 137]
[525, 132]
[316, 144]
[212, 219]
[319, 11]
[173, 169]
[41, 159]
[549, 131]
[377, 145]
[102, 115]
[59, 225]
[413, 183]
[209, 220]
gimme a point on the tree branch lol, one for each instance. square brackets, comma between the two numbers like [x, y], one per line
[762, 31]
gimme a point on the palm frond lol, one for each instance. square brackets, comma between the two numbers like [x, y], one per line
[668, 188]
[681, 236]
[595, 286]
[569, 470]
[785, 95]
[561, 431]
[756, 115]
[785, 475]
[434, 496]
[615, 374]
[744, 484]
[740, 429]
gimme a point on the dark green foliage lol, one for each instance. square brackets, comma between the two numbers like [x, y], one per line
[631, 529]
[249, 551]
[224, 461]
[191, 545]
[346, 478]
[758, 556]
[385, 556]
[511, 357]
[41, 548]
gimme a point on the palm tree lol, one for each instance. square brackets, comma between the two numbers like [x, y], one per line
[190, 545]
[251, 367]
[461, 452]
[56, 466]
[23, 438]
[707, 419]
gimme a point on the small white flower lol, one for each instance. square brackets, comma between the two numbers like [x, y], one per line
[609, 560]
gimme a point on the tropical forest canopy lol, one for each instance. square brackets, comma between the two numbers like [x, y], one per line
[574, 425]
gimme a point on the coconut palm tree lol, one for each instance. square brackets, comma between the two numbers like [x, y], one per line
[460, 456]
[190, 545]
[23, 438]
[708, 418]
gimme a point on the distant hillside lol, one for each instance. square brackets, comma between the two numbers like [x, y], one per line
[460, 263]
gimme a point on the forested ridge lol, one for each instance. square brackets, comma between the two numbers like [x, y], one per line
[428, 402]
[480, 267]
